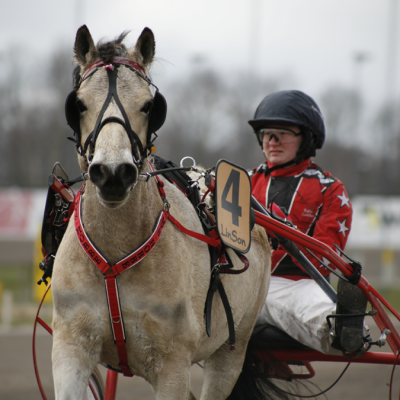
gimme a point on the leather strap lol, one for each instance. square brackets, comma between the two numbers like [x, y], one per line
[117, 322]
[112, 271]
[216, 284]
[199, 236]
[229, 316]
[116, 60]
[129, 261]
[223, 266]
[215, 279]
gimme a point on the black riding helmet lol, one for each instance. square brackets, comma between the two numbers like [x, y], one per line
[292, 107]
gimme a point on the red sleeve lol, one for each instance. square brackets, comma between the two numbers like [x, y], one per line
[334, 222]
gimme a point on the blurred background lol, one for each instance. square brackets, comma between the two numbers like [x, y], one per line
[216, 60]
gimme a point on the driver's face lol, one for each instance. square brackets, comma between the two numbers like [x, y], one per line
[281, 151]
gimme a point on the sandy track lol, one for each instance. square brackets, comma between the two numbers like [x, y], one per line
[17, 378]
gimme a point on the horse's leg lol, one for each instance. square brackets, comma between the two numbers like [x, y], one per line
[221, 371]
[173, 381]
[223, 367]
[72, 367]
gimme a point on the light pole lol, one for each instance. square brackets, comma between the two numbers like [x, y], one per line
[392, 72]
[255, 37]
[359, 59]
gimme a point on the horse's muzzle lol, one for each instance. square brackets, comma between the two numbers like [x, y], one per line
[113, 184]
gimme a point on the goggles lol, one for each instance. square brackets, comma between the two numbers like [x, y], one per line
[284, 136]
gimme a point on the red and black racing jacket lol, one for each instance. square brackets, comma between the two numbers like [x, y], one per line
[317, 204]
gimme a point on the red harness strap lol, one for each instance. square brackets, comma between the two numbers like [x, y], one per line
[215, 242]
[127, 262]
[209, 240]
[112, 271]
[117, 322]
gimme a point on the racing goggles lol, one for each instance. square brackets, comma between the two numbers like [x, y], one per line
[284, 136]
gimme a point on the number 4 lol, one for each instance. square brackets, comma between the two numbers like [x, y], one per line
[233, 207]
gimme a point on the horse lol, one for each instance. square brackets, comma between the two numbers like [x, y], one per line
[160, 298]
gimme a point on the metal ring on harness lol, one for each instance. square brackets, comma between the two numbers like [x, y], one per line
[190, 158]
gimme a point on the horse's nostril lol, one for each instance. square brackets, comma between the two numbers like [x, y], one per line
[113, 183]
[99, 174]
[127, 173]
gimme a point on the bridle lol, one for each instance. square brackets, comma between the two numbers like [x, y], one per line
[157, 113]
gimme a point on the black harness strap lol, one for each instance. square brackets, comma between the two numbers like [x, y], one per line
[221, 267]
[112, 93]
[229, 316]
[216, 284]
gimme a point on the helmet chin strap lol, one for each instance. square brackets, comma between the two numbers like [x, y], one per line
[275, 167]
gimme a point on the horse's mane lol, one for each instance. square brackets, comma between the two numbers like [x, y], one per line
[106, 51]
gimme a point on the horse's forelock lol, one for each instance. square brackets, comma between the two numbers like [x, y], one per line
[115, 48]
[106, 51]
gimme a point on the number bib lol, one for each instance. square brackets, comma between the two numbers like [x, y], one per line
[232, 198]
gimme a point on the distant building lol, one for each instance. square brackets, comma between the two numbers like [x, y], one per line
[21, 213]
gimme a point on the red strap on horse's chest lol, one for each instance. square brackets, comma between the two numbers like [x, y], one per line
[111, 271]
[129, 261]
[117, 322]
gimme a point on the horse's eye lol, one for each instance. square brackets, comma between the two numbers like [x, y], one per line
[147, 107]
[81, 106]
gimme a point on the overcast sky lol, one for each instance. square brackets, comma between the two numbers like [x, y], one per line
[313, 41]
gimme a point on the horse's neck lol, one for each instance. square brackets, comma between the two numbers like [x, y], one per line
[117, 232]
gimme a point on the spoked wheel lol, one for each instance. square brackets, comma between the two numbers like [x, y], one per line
[95, 389]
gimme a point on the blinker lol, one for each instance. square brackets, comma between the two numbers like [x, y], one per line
[158, 114]
[72, 113]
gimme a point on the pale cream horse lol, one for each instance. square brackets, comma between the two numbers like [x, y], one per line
[163, 297]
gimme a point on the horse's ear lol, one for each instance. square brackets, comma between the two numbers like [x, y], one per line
[145, 47]
[84, 46]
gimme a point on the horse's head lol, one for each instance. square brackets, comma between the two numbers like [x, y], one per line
[113, 112]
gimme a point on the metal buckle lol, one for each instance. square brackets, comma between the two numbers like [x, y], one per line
[166, 204]
[216, 268]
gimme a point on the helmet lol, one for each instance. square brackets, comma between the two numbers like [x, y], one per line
[292, 107]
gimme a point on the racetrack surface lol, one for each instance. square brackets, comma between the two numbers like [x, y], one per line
[17, 378]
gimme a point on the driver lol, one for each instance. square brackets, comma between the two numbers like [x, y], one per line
[289, 127]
